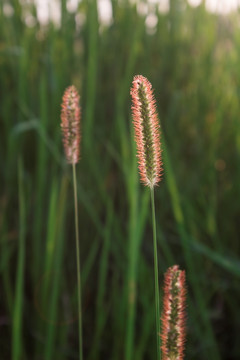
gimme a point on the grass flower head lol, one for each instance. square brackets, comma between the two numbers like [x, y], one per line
[146, 125]
[173, 316]
[70, 124]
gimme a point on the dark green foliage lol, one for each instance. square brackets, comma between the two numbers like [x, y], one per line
[192, 59]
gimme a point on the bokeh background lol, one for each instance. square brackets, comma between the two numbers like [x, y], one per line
[190, 52]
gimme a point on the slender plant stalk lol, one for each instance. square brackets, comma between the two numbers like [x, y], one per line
[78, 264]
[147, 136]
[157, 302]
[70, 124]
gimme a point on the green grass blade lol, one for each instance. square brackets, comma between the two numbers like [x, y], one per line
[17, 338]
[57, 271]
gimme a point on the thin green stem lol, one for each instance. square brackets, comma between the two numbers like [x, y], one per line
[156, 277]
[78, 264]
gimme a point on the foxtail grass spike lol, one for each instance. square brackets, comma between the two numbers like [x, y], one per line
[173, 315]
[70, 124]
[147, 135]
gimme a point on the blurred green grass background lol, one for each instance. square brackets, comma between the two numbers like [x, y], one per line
[192, 59]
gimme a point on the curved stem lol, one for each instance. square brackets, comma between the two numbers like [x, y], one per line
[78, 265]
[157, 302]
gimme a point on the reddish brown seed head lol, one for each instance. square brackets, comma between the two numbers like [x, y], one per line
[147, 136]
[173, 315]
[70, 124]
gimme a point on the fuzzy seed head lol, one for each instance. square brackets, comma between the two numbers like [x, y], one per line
[70, 124]
[146, 126]
[173, 315]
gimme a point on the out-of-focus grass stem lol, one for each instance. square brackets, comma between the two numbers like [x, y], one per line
[17, 344]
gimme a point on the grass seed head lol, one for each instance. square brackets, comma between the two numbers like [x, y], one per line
[70, 124]
[173, 315]
[147, 136]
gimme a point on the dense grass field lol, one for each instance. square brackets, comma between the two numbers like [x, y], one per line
[192, 59]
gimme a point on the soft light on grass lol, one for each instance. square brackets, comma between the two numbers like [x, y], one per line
[196, 88]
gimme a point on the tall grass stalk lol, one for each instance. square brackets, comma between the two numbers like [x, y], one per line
[147, 136]
[70, 124]
[157, 301]
[78, 263]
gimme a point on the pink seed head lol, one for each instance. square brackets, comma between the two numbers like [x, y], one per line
[173, 315]
[70, 124]
[146, 126]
